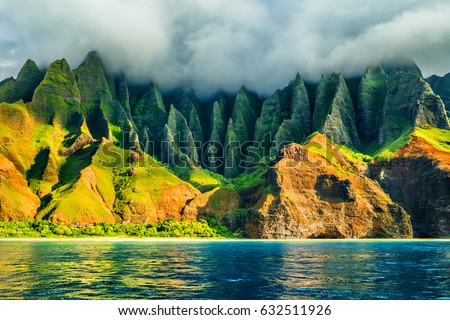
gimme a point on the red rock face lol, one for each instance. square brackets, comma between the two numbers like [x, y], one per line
[307, 197]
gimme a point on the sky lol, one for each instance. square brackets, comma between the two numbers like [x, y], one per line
[222, 44]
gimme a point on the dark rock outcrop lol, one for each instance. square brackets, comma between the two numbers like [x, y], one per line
[81, 141]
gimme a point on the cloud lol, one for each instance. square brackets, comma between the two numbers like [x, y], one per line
[221, 44]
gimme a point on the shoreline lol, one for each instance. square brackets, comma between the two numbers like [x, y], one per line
[136, 239]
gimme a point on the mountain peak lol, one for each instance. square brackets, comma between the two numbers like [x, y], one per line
[29, 66]
[93, 61]
[400, 64]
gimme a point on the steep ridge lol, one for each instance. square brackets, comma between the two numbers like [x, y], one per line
[296, 127]
[178, 140]
[97, 102]
[150, 116]
[240, 130]
[334, 114]
[213, 150]
[285, 117]
[188, 107]
[56, 100]
[372, 91]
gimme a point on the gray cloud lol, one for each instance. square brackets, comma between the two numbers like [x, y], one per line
[213, 44]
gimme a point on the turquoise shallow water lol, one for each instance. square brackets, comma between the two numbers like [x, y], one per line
[225, 270]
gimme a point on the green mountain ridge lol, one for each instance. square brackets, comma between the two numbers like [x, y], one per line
[84, 147]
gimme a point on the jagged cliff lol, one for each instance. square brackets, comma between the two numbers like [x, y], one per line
[306, 196]
[69, 134]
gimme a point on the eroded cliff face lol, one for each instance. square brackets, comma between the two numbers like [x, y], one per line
[418, 178]
[218, 205]
[306, 196]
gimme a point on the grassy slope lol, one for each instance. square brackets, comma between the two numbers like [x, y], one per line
[249, 180]
[387, 152]
[203, 179]
[439, 139]
[115, 184]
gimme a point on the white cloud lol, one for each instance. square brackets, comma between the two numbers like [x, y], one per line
[220, 44]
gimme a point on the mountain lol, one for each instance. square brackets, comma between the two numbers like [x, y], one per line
[23, 87]
[341, 158]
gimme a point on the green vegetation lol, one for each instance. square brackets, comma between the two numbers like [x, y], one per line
[248, 180]
[439, 139]
[324, 98]
[354, 155]
[203, 179]
[285, 117]
[56, 99]
[388, 151]
[340, 156]
[7, 91]
[160, 229]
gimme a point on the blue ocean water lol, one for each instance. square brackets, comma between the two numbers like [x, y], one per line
[225, 270]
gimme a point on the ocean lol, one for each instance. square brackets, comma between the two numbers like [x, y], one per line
[235, 269]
